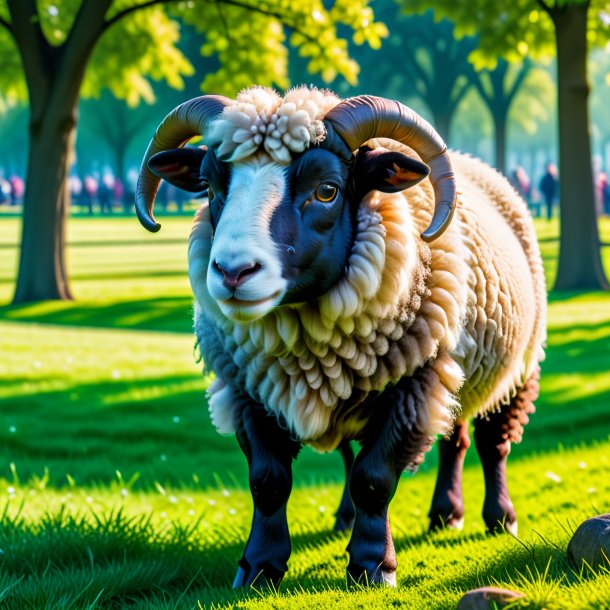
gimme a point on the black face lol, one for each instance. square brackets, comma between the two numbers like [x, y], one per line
[313, 226]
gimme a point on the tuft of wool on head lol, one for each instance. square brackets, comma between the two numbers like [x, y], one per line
[261, 119]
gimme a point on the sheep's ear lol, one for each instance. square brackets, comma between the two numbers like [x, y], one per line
[180, 167]
[386, 170]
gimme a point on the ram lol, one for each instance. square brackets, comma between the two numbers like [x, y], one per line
[353, 280]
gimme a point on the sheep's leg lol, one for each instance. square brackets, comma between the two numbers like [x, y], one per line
[447, 508]
[493, 437]
[344, 517]
[394, 439]
[270, 452]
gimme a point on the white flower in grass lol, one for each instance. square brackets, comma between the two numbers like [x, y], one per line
[163, 514]
[553, 476]
[116, 374]
[322, 509]
[10, 490]
[191, 512]
[212, 502]
[582, 465]
[89, 500]
[226, 493]
[173, 500]
[124, 492]
[232, 511]
[37, 364]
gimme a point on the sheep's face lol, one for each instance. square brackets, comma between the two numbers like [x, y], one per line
[282, 233]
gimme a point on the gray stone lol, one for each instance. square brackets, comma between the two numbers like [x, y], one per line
[590, 543]
[487, 598]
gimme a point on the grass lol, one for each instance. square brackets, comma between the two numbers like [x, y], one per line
[117, 493]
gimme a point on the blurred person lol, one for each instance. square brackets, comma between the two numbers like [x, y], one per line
[118, 191]
[89, 193]
[603, 184]
[521, 181]
[130, 190]
[549, 186]
[17, 189]
[5, 191]
[105, 193]
[75, 185]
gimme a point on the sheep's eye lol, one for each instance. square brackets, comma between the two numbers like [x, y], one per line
[326, 192]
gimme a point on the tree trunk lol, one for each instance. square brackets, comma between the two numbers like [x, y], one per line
[580, 265]
[500, 140]
[442, 123]
[42, 265]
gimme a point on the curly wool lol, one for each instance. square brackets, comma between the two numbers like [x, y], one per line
[260, 118]
[388, 316]
[469, 307]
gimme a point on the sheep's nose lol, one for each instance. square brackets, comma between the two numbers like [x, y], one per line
[235, 276]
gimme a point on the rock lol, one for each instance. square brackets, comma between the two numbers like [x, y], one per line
[487, 598]
[590, 543]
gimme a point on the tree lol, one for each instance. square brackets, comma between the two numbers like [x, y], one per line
[69, 47]
[440, 68]
[116, 124]
[542, 28]
[498, 88]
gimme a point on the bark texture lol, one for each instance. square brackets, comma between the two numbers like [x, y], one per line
[580, 264]
[53, 75]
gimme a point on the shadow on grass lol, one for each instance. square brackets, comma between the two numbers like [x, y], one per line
[160, 427]
[173, 314]
[114, 561]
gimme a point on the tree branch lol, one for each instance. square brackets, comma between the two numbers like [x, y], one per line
[544, 6]
[245, 5]
[6, 25]
[37, 55]
[132, 9]
[523, 72]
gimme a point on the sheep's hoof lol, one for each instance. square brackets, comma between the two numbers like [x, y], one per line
[440, 521]
[501, 526]
[263, 576]
[501, 519]
[357, 577]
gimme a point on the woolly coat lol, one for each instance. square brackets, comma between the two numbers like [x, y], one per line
[469, 308]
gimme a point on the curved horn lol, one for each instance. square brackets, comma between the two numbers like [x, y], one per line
[356, 120]
[177, 128]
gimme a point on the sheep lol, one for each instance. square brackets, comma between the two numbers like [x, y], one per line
[353, 280]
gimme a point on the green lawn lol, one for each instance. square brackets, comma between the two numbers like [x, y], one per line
[118, 493]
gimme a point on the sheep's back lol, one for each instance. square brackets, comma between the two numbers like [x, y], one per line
[504, 330]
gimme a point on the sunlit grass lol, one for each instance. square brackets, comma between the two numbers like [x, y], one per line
[118, 492]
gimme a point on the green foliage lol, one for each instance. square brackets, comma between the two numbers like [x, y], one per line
[534, 101]
[513, 30]
[247, 37]
[140, 47]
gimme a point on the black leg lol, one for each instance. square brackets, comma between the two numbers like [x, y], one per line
[493, 437]
[270, 452]
[447, 508]
[394, 439]
[344, 517]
